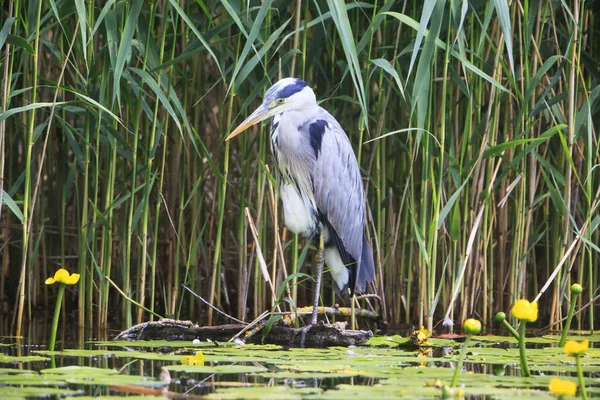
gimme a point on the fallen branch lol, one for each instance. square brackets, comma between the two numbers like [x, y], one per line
[320, 335]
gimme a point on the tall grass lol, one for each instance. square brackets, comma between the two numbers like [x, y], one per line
[475, 125]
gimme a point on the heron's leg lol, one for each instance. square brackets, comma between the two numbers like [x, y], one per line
[353, 313]
[320, 262]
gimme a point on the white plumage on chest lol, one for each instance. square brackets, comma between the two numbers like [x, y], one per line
[299, 214]
[294, 176]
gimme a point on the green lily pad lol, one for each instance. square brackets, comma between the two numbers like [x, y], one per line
[16, 371]
[388, 367]
[32, 380]
[307, 375]
[116, 397]
[585, 335]
[78, 370]
[271, 393]
[114, 354]
[230, 356]
[220, 369]
[15, 359]
[390, 341]
[9, 392]
[107, 380]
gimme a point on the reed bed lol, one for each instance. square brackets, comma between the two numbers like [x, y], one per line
[475, 125]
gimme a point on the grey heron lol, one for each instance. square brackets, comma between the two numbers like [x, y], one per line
[319, 183]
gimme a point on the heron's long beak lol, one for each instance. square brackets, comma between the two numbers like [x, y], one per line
[260, 114]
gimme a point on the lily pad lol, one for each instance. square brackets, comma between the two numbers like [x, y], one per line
[121, 379]
[584, 335]
[32, 380]
[9, 392]
[16, 371]
[16, 359]
[116, 397]
[389, 367]
[271, 393]
[114, 354]
[220, 369]
[78, 370]
[389, 341]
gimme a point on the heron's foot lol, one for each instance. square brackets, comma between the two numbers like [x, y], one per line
[303, 331]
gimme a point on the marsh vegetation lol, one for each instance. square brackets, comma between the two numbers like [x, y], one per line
[474, 123]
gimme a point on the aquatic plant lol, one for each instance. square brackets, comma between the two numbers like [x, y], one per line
[501, 317]
[525, 312]
[578, 349]
[471, 327]
[562, 388]
[576, 290]
[198, 359]
[63, 278]
[420, 336]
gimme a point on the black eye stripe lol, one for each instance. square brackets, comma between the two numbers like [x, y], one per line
[292, 89]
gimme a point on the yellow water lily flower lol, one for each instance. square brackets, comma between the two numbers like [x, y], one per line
[62, 276]
[573, 348]
[188, 360]
[525, 311]
[562, 388]
[194, 360]
[420, 336]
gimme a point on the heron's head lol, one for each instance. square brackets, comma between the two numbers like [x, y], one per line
[286, 94]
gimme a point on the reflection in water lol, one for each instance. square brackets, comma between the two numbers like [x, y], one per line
[37, 331]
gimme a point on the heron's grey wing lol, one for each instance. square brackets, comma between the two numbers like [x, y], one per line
[338, 188]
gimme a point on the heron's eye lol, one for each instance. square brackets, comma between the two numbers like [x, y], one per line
[280, 101]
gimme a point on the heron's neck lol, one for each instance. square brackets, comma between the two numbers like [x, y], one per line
[287, 123]
[285, 132]
[296, 117]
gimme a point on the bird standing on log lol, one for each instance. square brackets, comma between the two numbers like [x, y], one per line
[319, 183]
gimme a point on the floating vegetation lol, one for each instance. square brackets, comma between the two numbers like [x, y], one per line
[387, 367]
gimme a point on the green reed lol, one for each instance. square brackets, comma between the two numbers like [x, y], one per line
[474, 128]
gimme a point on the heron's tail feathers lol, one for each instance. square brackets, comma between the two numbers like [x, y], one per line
[366, 272]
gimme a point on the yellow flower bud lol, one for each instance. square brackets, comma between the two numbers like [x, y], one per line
[472, 326]
[500, 316]
[576, 289]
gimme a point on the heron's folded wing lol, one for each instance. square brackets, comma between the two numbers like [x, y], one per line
[338, 188]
